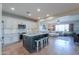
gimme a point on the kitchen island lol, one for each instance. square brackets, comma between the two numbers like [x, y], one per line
[35, 41]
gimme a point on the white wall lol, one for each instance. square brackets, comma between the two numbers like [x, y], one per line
[11, 28]
[0, 27]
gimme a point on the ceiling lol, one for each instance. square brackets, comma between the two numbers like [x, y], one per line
[52, 9]
[65, 20]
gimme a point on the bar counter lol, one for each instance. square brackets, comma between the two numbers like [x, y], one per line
[35, 41]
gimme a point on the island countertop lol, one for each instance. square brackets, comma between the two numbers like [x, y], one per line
[29, 40]
[34, 34]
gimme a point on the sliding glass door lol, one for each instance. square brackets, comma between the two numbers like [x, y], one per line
[62, 27]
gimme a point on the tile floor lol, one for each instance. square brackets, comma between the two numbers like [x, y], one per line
[57, 46]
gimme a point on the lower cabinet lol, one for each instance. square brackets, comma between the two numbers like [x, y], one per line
[30, 42]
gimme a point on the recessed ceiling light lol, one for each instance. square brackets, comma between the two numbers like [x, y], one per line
[38, 17]
[29, 14]
[12, 9]
[47, 15]
[38, 10]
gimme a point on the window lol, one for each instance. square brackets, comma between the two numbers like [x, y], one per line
[63, 27]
